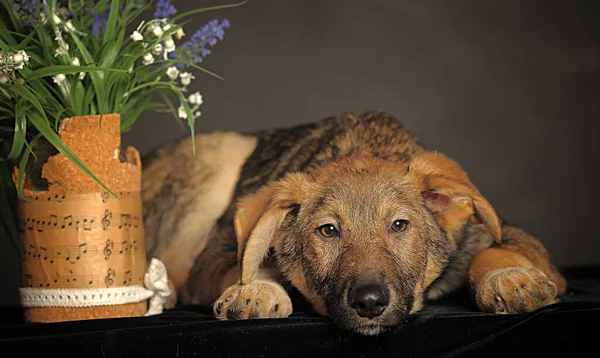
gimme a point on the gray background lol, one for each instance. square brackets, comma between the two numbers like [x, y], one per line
[508, 88]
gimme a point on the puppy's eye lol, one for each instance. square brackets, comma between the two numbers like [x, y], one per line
[327, 230]
[399, 225]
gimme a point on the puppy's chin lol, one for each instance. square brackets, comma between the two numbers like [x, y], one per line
[370, 330]
[346, 319]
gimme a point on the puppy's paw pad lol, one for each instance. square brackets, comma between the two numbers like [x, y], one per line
[253, 300]
[515, 290]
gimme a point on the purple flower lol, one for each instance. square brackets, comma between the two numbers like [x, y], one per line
[28, 10]
[164, 9]
[196, 49]
[101, 18]
[100, 21]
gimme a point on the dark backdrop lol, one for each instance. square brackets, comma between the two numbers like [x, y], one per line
[510, 89]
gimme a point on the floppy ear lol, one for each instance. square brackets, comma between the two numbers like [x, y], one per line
[447, 191]
[258, 218]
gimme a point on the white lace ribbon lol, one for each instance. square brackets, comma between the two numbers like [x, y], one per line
[155, 280]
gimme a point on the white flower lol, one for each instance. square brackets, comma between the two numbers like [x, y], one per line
[173, 73]
[181, 112]
[166, 27]
[148, 59]
[157, 31]
[25, 56]
[136, 36]
[62, 49]
[69, 25]
[157, 49]
[55, 19]
[63, 83]
[197, 114]
[3, 78]
[186, 78]
[18, 58]
[75, 62]
[169, 45]
[60, 78]
[179, 34]
[195, 98]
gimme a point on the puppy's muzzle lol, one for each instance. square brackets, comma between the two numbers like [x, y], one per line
[369, 300]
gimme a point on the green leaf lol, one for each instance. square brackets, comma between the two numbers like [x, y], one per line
[16, 22]
[87, 101]
[96, 80]
[147, 84]
[23, 166]
[58, 117]
[132, 116]
[190, 118]
[19, 135]
[135, 14]
[25, 93]
[211, 8]
[77, 95]
[111, 24]
[28, 39]
[185, 63]
[169, 104]
[100, 6]
[66, 70]
[58, 143]
[7, 38]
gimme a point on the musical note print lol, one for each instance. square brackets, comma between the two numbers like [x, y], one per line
[85, 223]
[124, 247]
[62, 198]
[122, 194]
[71, 254]
[127, 277]
[53, 222]
[108, 249]
[73, 281]
[68, 243]
[125, 221]
[106, 220]
[136, 221]
[56, 198]
[109, 279]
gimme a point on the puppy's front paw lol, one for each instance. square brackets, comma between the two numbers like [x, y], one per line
[515, 290]
[257, 299]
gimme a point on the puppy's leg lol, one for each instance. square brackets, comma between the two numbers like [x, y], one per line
[263, 297]
[516, 276]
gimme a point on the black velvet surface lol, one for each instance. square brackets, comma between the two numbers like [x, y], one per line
[450, 328]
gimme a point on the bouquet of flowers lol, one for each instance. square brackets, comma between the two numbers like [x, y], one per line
[60, 59]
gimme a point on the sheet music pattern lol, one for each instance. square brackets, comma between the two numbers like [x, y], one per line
[82, 241]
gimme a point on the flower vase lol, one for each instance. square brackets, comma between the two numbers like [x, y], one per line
[83, 252]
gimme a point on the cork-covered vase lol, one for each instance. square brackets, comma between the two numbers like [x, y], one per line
[82, 249]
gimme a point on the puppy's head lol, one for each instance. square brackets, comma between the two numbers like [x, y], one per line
[362, 238]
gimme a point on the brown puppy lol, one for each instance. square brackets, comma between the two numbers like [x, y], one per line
[352, 211]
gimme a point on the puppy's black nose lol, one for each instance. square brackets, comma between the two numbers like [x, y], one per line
[369, 300]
